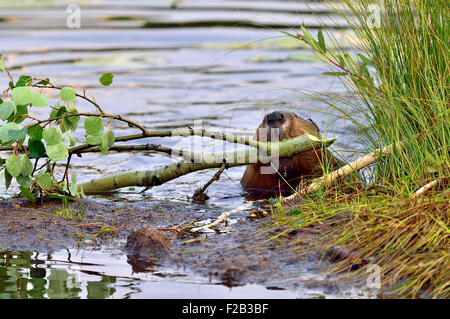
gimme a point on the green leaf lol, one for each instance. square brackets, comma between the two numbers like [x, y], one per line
[73, 184]
[106, 79]
[360, 83]
[35, 132]
[73, 177]
[52, 136]
[309, 38]
[107, 141]
[26, 193]
[22, 95]
[365, 59]
[16, 118]
[4, 132]
[14, 165]
[39, 100]
[8, 179]
[342, 62]
[24, 80]
[70, 139]
[27, 167]
[67, 94]
[7, 109]
[71, 122]
[18, 134]
[44, 82]
[36, 148]
[93, 126]
[57, 152]
[24, 181]
[2, 64]
[45, 181]
[335, 73]
[58, 111]
[39, 173]
[94, 139]
[365, 70]
[321, 39]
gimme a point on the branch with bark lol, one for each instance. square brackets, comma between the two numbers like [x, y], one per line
[261, 153]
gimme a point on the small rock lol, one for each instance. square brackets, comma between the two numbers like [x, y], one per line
[146, 248]
[148, 242]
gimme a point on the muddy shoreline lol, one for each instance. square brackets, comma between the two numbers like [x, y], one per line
[230, 258]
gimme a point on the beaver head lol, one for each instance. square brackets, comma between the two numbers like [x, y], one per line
[278, 126]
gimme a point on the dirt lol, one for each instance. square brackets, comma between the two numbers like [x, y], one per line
[151, 237]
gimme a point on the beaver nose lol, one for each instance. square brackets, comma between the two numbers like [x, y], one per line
[275, 116]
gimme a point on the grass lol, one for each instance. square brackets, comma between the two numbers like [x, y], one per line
[398, 77]
[408, 239]
[65, 212]
[69, 213]
[107, 231]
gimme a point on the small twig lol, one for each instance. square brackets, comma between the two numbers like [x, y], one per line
[193, 240]
[9, 75]
[200, 192]
[189, 224]
[128, 148]
[40, 188]
[179, 132]
[42, 166]
[220, 219]
[182, 230]
[66, 174]
[94, 224]
[171, 228]
[100, 225]
[112, 117]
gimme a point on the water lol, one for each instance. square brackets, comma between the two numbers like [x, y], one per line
[91, 274]
[100, 275]
[203, 61]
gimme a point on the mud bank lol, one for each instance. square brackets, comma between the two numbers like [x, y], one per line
[148, 237]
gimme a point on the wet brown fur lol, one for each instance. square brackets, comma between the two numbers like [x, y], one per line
[294, 170]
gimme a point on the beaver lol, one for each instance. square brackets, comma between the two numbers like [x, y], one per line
[291, 171]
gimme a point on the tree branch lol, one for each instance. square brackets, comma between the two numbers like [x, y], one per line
[264, 154]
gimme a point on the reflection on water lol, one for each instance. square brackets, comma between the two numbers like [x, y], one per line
[27, 275]
[95, 275]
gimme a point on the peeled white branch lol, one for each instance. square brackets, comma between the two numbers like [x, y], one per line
[346, 170]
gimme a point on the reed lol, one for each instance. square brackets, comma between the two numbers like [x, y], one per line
[398, 74]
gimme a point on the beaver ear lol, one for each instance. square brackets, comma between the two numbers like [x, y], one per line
[314, 123]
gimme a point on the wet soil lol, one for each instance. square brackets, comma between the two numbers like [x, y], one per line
[148, 236]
